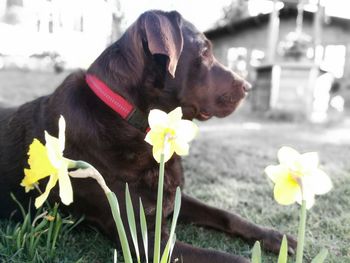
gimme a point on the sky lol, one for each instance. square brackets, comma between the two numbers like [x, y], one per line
[203, 14]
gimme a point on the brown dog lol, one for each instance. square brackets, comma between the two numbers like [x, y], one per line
[163, 62]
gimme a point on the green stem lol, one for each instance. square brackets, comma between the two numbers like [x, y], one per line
[301, 233]
[156, 255]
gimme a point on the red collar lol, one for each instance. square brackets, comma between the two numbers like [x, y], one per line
[125, 109]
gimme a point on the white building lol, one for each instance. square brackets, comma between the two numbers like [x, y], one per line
[77, 30]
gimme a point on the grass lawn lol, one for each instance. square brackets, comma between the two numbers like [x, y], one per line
[225, 169]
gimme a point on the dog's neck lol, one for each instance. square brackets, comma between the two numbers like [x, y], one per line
[132, 72]
[117, 103]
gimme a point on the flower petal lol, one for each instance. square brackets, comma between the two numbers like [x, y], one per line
[148, 137]
[157, 151]
[41, 199]
[275, 172]
[61, 133]
[175, 115]
[318, 182]
[169, 149]
[169, 127]
[309, 198]
[186, 130]
[155, 136]
[66, 191]
[53, 149]
[308, 161]
[181, 147]
[288, 156]
[286, 191]
[157, 118]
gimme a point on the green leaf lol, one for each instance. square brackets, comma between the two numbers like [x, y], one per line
[171, 242]
[131, 220]
[321, 257]
[113, 202]
[51, 227]
[283, 255]
[256, 253]
[74, 225]
[19, 205]
[172, 245]
[144, 230]
[115, 256]
[58, 225]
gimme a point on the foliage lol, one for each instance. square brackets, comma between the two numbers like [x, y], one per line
[235, 11]
[35, 238]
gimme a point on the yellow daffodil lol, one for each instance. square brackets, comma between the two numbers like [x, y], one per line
[169, 133]
[297, 177]
[47, 161]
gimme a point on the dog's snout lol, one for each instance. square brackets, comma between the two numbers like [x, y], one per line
[240, 82]
[246, 86]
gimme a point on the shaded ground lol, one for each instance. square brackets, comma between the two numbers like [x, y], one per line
[225, 169]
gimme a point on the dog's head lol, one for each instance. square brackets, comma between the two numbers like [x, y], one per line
[163, 61]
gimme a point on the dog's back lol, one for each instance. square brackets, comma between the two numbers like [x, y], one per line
[19, 126]
[16, 129]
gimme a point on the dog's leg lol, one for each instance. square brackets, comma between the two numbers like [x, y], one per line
[196, 212]
[186, 253]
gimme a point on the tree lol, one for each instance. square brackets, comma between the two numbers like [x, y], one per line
[117, 19]
[235, 11]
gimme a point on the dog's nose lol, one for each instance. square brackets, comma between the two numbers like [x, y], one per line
[247, 86]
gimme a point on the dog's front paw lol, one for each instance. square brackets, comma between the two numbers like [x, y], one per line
[272, 241]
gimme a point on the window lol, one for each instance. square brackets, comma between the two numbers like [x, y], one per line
[334, 60]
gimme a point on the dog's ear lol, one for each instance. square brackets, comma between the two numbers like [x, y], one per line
[164, 36]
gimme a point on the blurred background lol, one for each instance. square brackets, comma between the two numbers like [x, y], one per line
[294, 52]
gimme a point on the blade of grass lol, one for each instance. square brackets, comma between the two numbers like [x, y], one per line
[50, 230]
[166, 254]
[144, 230]
[25, 225]
[35, 230]
[19, 205]
[74, 225]
[283, 255]
[321, 257]
[131, 220]
[256, 253]
[172, 248]
[18, 237]
[115, 256]
[56, 231]
[113, 202]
